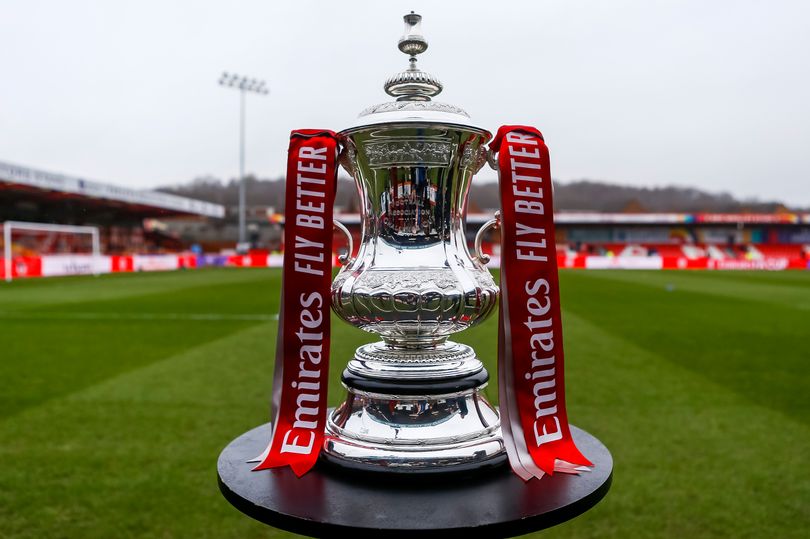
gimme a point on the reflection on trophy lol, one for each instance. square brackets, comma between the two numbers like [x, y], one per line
[414, 398]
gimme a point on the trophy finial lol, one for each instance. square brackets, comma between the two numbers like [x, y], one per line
[413, 84]
[412, 41]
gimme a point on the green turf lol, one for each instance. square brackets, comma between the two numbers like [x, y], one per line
[117, 394]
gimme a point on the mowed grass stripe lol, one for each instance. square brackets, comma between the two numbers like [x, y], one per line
[788, 289]
[135, 455]
[756, 348]
[157, 317]
[692, 458]
[54, 350]
[33, 293]
[216, 294]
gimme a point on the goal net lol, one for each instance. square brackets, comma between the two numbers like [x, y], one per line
[67, 244]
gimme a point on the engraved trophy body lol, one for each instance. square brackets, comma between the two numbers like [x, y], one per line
[414, 398]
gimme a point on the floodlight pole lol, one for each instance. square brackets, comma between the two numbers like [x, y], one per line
[244, 85]
[242, 201]
[7, 251]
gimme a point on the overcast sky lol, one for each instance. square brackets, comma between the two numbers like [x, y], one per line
[711, 94]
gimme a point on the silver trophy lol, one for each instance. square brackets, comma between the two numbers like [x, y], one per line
[414, 399]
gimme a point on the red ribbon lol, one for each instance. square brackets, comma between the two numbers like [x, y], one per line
[301, 377]
[530, 351]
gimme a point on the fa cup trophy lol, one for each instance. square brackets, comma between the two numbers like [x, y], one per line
[415, 401]
[414, 404]
[414, 398]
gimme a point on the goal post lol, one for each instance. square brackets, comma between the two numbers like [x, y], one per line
[10, 226]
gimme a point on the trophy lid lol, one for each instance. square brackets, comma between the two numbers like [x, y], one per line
[413, 90]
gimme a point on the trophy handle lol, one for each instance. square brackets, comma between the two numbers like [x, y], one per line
[347, 156]
[345, 258]
[480, 256]
[492, 160]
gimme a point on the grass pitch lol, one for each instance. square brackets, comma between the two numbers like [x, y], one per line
[118, 392]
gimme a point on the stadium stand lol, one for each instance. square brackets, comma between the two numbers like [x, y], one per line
[35, 196]
[133, 239]
[676, 241]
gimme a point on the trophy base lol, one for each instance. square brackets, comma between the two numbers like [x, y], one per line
[414, 427]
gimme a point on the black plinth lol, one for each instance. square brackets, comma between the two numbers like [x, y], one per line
[330, 500]
[415, 387]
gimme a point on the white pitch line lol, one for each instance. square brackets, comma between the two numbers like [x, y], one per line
[204, 317]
